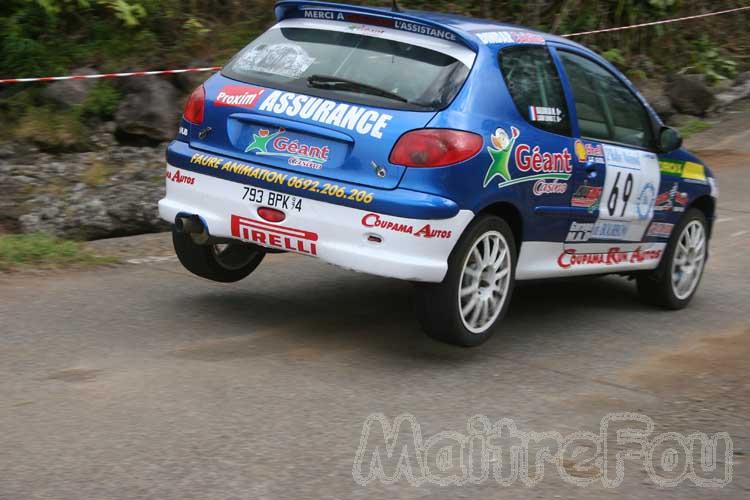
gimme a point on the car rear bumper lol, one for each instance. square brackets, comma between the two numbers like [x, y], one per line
[313, 185]
[359, 239]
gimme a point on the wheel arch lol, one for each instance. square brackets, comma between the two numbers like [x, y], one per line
[510, 214]
[707, 205]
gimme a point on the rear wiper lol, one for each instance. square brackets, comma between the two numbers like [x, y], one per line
[336, 83]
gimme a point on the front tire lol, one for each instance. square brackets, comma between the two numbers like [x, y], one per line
[673, 284]
[475, 294]
[223, 263]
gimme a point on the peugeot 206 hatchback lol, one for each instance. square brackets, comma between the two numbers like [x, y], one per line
[459, 154]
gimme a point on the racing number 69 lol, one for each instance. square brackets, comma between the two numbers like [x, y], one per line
[614, 196]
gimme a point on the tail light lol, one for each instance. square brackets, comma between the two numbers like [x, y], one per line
[435, 147]
[271, 214]
[195, 106]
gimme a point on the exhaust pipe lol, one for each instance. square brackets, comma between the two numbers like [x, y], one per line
[193, 226]
[189, 225]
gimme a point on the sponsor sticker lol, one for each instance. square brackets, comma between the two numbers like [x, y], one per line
[367, 30]
[272, 177]
[505, 37]
[580, 150]
[284, 59]
[532, 163]
[587, 197]
[545, 114]
[579, 231]
[238, 96]
[274, 236]
[686, 169]
[554, 186]
[614, 256]
[609, 230]
[297, 152]
[397, 24]
[599, 230]
[694, 171]
[373, 220]
[595, 153]
[328, 15]
[347, 116]
[645, 201]
[660, 229]
[179, 178]
[421, 29]
[672, 200]
[622, 157]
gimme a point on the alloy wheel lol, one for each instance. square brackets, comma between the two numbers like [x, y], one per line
[484, 283]
[689, 259]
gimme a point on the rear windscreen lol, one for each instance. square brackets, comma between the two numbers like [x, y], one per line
[412, 77]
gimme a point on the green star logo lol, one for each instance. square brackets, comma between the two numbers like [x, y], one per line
[500, 154]
[261, 140]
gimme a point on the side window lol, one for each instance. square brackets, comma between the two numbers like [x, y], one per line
[606, 108]
[534, 85]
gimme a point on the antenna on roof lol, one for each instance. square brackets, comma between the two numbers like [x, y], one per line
[395, 7]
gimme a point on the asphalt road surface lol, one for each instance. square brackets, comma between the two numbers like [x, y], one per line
[141, 381]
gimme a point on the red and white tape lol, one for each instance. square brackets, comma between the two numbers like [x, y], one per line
[217, 68]
[655, 23]
[109, 75]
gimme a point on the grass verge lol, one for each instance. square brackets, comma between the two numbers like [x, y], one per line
[41, 251]
[694, 127]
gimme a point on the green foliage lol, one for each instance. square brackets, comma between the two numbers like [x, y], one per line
[20, 251]
[129, 13]
[693, 127]
[637, 75]
[102, 101]
[51, 129]
[614, 56]
[709, 60]
[662, 4]
[50, 37]
[53, 36]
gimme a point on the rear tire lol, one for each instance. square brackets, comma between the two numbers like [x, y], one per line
[673, 284]
[223, 263]
[474, 296]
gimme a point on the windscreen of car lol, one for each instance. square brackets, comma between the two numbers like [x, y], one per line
[307, 60]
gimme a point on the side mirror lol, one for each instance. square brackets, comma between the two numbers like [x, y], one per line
[669, 139]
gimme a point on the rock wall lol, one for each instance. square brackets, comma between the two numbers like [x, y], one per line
[111, 192]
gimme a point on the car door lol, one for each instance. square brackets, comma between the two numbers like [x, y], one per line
[616, 178]
[534, 155]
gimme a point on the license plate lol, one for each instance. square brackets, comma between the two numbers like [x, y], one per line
[271, 198]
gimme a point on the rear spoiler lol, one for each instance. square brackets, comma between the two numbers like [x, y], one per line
[402, 21]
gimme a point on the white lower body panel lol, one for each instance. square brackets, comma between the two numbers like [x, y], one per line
[396, 247]
[539, 259]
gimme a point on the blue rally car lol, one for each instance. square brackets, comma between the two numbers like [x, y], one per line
[456, 153]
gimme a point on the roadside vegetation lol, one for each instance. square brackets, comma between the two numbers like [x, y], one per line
[694, 127]
[54, 37]
[41, 251]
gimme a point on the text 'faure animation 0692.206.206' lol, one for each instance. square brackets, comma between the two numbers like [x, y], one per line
[457, 153]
